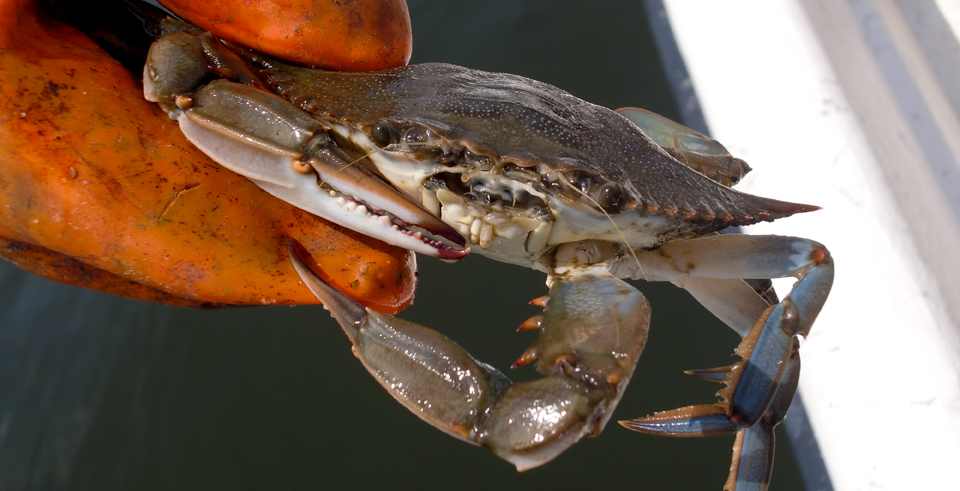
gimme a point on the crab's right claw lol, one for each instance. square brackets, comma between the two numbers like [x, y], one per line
[592, 332]
[283, 149]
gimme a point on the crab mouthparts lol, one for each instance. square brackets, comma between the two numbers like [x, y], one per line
[491, 203]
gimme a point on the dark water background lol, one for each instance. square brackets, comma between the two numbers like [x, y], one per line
[99, 392]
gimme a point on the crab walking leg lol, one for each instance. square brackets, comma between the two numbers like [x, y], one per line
[753, 448]
[593, 330]
[734, 302]
[761, 387]
[752, 460]
[700, 264]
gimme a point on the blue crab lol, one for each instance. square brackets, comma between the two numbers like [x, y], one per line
[444, 160]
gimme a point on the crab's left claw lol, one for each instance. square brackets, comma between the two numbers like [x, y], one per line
[760, 388]
[281, 148]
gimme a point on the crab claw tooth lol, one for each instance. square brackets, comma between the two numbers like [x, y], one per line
[531, 323]
[710, 374]
[529, 355]
[333, 167]
[690, 421]
[752, 460]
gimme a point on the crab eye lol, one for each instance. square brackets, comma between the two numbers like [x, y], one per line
[384, 134]
[608, 196]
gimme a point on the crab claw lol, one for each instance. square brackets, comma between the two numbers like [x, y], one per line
[284, 150]
[593, 331]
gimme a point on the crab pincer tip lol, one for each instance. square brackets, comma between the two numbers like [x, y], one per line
[451, 254]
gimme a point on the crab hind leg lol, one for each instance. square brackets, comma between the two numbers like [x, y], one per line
[593, 329]
[761, 387]
[752, 460]
[753, 450]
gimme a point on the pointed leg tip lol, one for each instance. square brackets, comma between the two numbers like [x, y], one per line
[710, 374]
[528, 356]
[540, 301]
[690, 421]
[532, 323]
[631, 424]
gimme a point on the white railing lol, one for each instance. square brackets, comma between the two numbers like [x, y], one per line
[853, 105]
